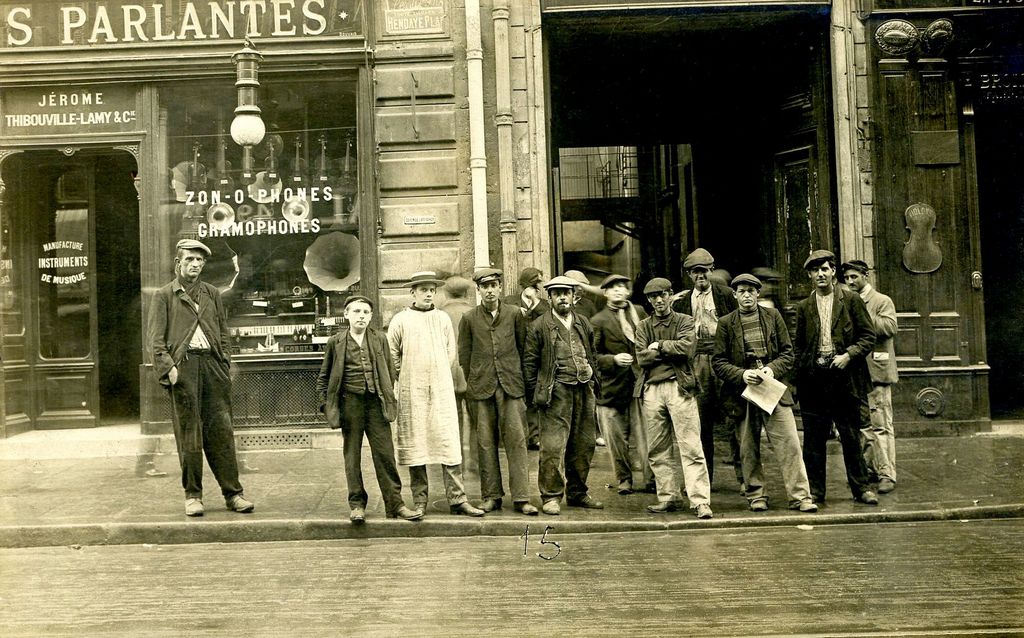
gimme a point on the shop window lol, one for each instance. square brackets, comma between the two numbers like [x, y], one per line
[65, 290]
[282, 218]
[12, 325]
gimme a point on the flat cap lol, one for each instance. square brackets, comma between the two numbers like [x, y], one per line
[855, 264]
[658, 284]
[561, 282]
[193, 244]
[457, 287]
[614, 279]
[354, 298]
[530, 276]
[818, 256]
[424, 277]
[746, 278]
[699, 257]
[577, 275]
[764, 273]
[484, 275]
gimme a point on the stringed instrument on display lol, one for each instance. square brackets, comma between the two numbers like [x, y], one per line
[197, 178]
[323, 176]
[225, 182]
[347, 183]
[299, 166]
[267, 186]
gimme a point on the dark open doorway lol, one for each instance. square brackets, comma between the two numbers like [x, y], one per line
[683, 128]
[118, 288]
[1000, 150]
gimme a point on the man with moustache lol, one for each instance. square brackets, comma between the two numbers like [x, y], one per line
[531, 304]
[423, 351]
[834, 335]
[492, 337]
[188, 339]
[665, 344]
[706, 302]
[879, 440]
[618, 413]
[752, 343]
[357, 395]
[561, 372]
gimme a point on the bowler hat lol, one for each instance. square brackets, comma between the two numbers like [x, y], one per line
[658, 284]
[855, 264]
[193, 244]
[484, 275]
[614, 279]
[699, 257]
[746, 278]
[819, 256]
[354, 298]
[561, 281]
[424, 277]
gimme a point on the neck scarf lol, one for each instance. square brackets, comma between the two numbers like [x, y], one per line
[628, 319]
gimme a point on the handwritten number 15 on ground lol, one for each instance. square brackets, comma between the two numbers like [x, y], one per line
[543, 541]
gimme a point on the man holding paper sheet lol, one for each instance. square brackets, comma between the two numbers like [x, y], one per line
[752, 354]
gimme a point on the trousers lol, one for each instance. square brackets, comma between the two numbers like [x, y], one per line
[617, 426]
[362, 415]
[879, 439]
[201, 415]
[454, 491]
[826, 397]
[567, 437]
[780, 427]
[673, 423]
[501, 418]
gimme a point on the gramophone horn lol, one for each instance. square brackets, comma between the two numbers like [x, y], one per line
[220, 216]
[295, 209]
[332, 261]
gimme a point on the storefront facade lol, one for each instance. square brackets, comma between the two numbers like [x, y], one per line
[116, 141]
[407, 135]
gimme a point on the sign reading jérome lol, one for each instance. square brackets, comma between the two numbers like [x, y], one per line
[35, 23]
[106, 109]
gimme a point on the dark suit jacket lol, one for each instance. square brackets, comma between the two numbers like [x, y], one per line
[617, 382]
[173, 320]
[852, 332]
[725, 301]
[539, 356]
[492, 353]
[729, 357]
[332, 372]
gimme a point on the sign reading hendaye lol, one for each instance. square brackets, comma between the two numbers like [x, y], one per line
[107, 109]
[110, 22]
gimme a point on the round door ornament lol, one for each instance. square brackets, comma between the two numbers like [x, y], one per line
[897, 37]
[931, 402]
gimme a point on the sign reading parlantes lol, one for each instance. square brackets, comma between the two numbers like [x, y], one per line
[82, 109]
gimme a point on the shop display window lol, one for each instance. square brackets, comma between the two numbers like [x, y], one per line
[282, 217]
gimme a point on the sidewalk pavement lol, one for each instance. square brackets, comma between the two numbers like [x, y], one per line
[109, 494]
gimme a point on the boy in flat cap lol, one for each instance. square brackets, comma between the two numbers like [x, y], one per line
[561, 373]
[879, 440]
[188, 340]
[665, 345]
[492, 337]
[706, 303]
[357, 395]
[754, 341]
[618, 413]
[423, 350]
[833, 337]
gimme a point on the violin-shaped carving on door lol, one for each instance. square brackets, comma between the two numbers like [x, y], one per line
[921, 253]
